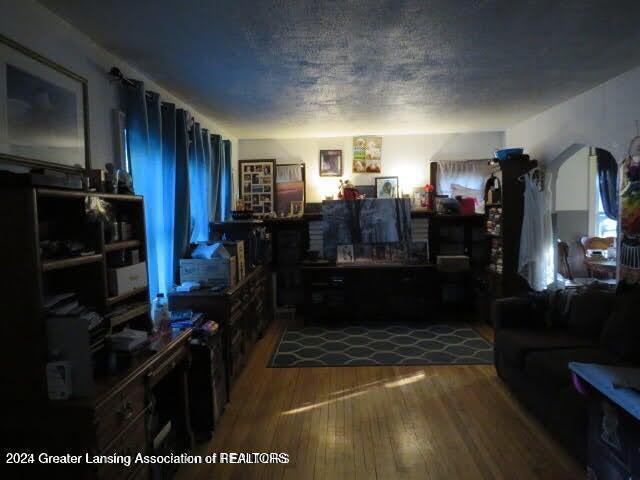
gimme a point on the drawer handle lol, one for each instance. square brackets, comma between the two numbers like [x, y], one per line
[125, 412]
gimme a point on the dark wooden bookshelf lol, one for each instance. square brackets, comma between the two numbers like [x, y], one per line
[117, 246]
[33, 215]
[120, 298]
[58, 264]
[508, 282]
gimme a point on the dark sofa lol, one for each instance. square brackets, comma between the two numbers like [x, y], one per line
[537, 336]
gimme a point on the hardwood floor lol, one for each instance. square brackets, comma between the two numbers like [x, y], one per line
[433, 422]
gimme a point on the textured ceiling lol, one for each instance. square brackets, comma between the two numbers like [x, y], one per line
[313, 68]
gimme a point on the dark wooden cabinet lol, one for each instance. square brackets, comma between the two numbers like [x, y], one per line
[371, 292]
[242, 311]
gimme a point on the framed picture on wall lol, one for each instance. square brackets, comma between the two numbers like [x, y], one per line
[290, 188]
[43, 111]
[387, 187]
[330, 163]
[367, 154]
[256, 185]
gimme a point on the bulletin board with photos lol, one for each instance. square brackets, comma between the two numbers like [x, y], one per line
[257, 185]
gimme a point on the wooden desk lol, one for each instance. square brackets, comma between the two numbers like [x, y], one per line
[121, 416]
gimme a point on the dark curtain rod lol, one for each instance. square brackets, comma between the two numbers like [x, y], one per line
[118, 76]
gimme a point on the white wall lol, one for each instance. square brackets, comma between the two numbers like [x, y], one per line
[604, 116]
[37, 28]
[572, 185]
[405, 156]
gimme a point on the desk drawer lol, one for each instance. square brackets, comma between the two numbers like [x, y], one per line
[117, 413]
[131, 442]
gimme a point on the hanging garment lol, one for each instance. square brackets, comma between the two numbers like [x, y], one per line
[535, 263]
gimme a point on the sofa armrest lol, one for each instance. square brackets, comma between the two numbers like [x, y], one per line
[512, 312]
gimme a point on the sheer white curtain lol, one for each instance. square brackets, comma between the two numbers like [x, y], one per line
[463, 177]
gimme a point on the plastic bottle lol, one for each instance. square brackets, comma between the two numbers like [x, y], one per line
[160, 313]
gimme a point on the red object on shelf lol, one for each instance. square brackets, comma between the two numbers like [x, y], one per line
[467, 205]
[349, 193]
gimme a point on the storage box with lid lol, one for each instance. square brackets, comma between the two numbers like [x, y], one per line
[213, 271]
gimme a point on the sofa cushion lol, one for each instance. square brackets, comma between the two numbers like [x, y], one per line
[621, 331]
[514, 344]
[588, 312]
[551, 367]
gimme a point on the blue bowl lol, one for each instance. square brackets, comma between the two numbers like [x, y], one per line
[502, 154]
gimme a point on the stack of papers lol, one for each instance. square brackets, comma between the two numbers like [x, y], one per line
[188, 287]
[128, 340]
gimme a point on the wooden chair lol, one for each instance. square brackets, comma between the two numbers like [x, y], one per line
[564, 268]
[595, 243]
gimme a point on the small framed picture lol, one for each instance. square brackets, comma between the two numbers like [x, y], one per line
[387, 187]
[297, 208]
[344, 254]
[369, 191]
[330, 163]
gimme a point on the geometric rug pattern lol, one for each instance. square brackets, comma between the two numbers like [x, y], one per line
[434, 344]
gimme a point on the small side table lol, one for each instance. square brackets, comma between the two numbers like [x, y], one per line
[614, 419]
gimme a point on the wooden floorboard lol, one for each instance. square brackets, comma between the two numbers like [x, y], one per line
[378, 423]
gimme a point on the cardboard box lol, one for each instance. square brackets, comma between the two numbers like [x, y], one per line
[236, 249]
[214, 272]
[125, 279]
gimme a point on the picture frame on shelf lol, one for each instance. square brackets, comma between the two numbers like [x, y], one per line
[46, 123]
[297, 208]
[369, 191]
[257, 185]
[290, 187]
[387, 187]
[330, 164]
[345, 254]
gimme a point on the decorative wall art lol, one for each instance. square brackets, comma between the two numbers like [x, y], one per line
[629, 256]
[290, 188]
[256, 178]
[369, 221]
[330, 163]
[387, 187]
[43, 111]
[367, 154]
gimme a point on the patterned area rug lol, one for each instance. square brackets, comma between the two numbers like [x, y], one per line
[439, 344]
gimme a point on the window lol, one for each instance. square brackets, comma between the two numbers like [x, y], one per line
[605, 227]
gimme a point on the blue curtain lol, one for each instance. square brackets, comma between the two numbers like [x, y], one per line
[199, 174]
[206, 143]
[184, 176]
[608, 182]
[217, 149]
[159, 174]
[143, 131]
[182, 208]
[227, 186]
